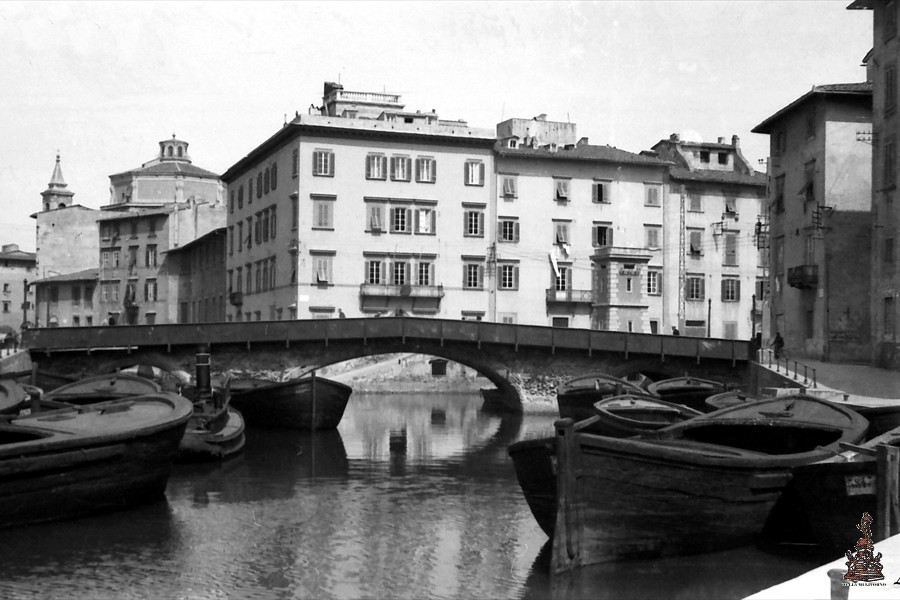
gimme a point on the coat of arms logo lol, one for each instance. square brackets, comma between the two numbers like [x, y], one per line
[863, 564]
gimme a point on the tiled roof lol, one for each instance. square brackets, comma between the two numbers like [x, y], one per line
[132, 213]
[859, 89]
[18, 255]
[86, 275]
[195, 242]
[710, 176]
[170, 168]
[584, 152]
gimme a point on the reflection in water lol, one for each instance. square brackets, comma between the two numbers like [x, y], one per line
[413, 496]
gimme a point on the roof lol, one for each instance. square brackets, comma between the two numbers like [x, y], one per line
[170, 168]
[585, 152]
[136, 213]
[18, 255]
[862, 5]
[442, 132]
[197, 241]
[86, 275]
[711, 176]
[861, 90]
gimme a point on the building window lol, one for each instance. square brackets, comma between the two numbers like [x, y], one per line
[562, 278]
[652, 194]
[731, 207]
[473, 276]
[509, 187]
[809, 185]
[890, 163]
[323, 163]
[731, 290]
[695, 202]
[890, 19]
[274, 175]
[230, 203]
[888, 250]
[399, 272]
[601, 192]
[115, 258]
[602, 235]
[400, 220]
[374, 272]
[562, 190]
[295, 163]
[695, 248]
[474, 172]
[104, 259]
[250, 191]
[400, 168]
[249, 281]
[240, 197]
[149, 290]
[322, 269]
[259, 184]
[811, 123]
[426, 170]
[779, 143]
[323, 211]
[561, 232]
[375, 217]
[694, 288]
[508, 276]
[376, 166]
[731, 249]
[240, 235]
[424, 221]
[423, 273]
[653, 288]
[249, 222]
[723, 158]
[888, 315]
[778, 201]
[150, 256]
[508, 230]
[473, 223]
[652, 235]
[704, 156]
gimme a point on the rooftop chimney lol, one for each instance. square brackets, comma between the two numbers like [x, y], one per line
[721, 140]
[674, 137]
[735, 141]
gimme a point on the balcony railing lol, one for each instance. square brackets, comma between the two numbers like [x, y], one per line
[411, 291]
[804, 276]
[554, 295]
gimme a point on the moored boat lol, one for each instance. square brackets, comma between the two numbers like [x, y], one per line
[632, 414]
[98, 388]
[576, 397]
[833, 493]
[79, 460]
[12, 397]
[690, 391]
[309, 403]
[729, 398]
[216, 439]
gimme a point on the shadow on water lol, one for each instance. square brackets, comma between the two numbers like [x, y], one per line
[272, 466]
[747, 570]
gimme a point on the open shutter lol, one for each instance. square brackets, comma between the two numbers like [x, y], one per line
[481, 223]
[724, 289]
[702, 288]
[597, 193]
[315, 155]
[418, 166]
[465, 269]
[480, 276]
[433, 170]
[480, 173]
[737, 289]
[330, 156]
[516, 231]
[433, 218]
[368, 167]
[516, 277]
[416, 220]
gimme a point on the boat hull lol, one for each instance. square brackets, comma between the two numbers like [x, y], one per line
[576, 398]
[630, 415]
[535, 465]
[200, 444]
[291, 404]
[75, 477]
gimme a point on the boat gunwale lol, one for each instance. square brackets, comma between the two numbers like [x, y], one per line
[620, 419]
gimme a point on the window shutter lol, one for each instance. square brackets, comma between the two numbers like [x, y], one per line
[737, 289]
[480, 173]
[314, 156]
[465, 270]
[433, 221]
[465, 222]
[516, 231]
[418, 164]
[702, 288]
[274, 176]
[433, 170]
[481, 223]
[597, 193]
[500, 274]
[393, 167]
[480, 276]
[330, 156]
[724, 289]
[516, 277]
[416, 221]
[408, 219]
[369, 167]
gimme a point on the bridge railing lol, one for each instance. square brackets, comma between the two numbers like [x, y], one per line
[800, 372]
[399, 328]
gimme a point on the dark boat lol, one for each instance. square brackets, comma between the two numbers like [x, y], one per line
[705, 484]
[99, 388]
[632, 414]
[79, 460]
[729, 398]
[690, 391]
[576, 397]
[309, 403]
[217, 438]
[12, 397]
[833, 493]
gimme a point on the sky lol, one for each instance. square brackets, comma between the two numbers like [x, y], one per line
[103, 83]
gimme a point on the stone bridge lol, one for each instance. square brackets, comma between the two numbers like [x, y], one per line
[526, 363]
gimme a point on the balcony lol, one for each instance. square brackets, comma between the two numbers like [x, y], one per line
[401, 291]
[570, 296]
[803, 277]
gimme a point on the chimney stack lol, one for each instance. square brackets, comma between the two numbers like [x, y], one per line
[735, 141]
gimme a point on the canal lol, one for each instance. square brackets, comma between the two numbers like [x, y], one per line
[413, 497]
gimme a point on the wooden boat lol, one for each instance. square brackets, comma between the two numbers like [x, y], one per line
[833, 493]
[212, 439]
[705, 484]
[12, 397]
[306, 403]
[690, 391]
[99, 388]
[78, 460]
[576, 397]
[632, 414]
[726, 399]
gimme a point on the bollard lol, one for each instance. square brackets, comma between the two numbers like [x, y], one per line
[204, 387]
[839, 590]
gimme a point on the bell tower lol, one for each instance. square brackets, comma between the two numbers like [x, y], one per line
[56, 195]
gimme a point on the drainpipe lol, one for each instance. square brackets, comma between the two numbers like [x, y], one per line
[708, 317]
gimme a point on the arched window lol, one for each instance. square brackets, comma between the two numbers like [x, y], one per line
[180, 151]
[169, 151]
[259, 184]
[274, 176]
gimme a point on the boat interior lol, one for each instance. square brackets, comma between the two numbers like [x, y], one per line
[776, 438]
